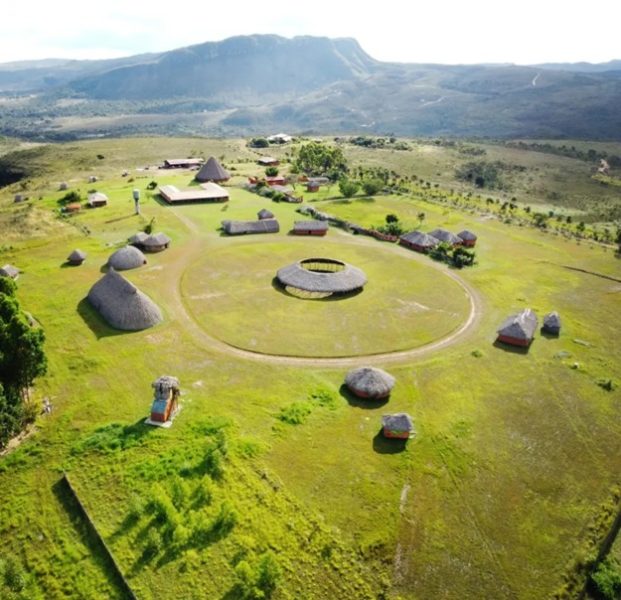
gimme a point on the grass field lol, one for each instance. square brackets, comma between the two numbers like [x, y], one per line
[498, 495]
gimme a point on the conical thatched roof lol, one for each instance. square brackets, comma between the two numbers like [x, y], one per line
[369, 382]
[520, 326]
[77, 257]
[212, 171]
[552, 322]
[445, 236]
[467, 236]
[127, 257]
[123, 305]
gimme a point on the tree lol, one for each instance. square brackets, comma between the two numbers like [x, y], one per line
[347, 187]
[462, 257]
[21, 360]
[271, 171]
[421, 217]
[372, 186]
[259, 143]
[607, 579]
[392, 218]
[316, 158]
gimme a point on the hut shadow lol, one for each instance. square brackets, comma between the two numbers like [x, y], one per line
[121, 218]
[69, 504]
[366, 403]
[332, 298]
[511, 349]
[94, 321]
[384, 445]
[549, 335]
[69, 265]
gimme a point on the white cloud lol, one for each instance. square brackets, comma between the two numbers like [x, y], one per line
[455, 31]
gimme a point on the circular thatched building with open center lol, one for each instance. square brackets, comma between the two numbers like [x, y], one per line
[321, 278]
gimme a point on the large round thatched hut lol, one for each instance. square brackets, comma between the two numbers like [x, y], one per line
[212, 170]
[122, 304]
[321, 277]
[370, 382]
[126, 258]
[156, 242]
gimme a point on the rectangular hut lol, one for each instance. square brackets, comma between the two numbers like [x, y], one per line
[243, 227]
[310, 228]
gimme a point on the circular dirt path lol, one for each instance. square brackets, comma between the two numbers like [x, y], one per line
[196, 247]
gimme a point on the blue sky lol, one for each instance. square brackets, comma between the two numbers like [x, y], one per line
[446, 32]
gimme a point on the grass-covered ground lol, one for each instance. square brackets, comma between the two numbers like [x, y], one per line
[498, 496]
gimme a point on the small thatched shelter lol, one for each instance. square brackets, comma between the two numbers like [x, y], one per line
[265, 214]
[468, 238]
[122, 304]
[518, 329]
[165, 402]
[156, 242]
[126, 258]
[370, 382]
[63, 186]
[212, 170]
[446, 236]
[399, 425]
[19, 198]
[73, 207]
[92, 179]
[9, 271]
[552, 323]
[77, 257]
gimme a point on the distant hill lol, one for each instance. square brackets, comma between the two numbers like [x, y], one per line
[260, 83]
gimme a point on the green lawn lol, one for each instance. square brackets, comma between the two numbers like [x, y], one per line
[497, 496]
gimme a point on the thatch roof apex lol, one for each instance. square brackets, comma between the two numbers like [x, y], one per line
[552, 319]
[445, 236]
[467, 236]
[9, 271]
[418, 238]
[212, 170]
[156, 239]
[370, 382]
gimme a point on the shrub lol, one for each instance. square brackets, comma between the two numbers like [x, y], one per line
[153, 543]
[257, 579]
[295, 413]
[372, 186]
[607, 579]
[69, 197]
[259, 143]
[347, 187]
[271, 171]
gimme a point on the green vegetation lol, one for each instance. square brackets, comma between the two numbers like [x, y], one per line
[22, 360]
[508, 489]
[316, 158]
[347, 187]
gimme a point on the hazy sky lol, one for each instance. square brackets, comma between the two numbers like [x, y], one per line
[465, 31]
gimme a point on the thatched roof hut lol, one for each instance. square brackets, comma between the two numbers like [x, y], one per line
[419, 241]
[265, 214]
[321, 276]
[552, 323]
[9, 271]
[370, 382]
[92, 179]
[19, 198]
[241, 227]
[399, 425]
[518, 329]
[128, 257]
[156, 242]
[212, 170]
[122, 304]
[63, 186]
[310, 227]
[77, 257]
[446, 236]
[138, 238]
[468, 238]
